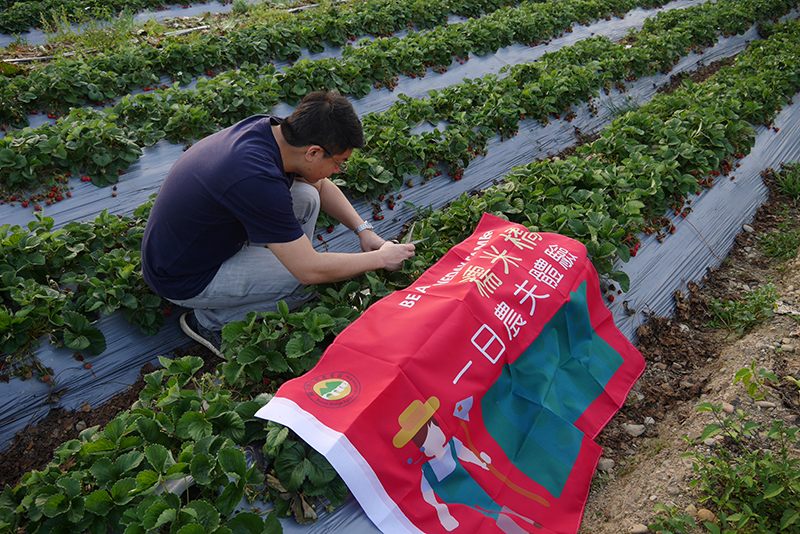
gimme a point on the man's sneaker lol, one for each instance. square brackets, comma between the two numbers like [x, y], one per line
[210, 339]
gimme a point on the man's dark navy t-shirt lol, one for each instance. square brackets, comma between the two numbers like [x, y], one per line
[223, 191]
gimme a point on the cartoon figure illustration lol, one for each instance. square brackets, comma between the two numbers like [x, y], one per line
[444, 477]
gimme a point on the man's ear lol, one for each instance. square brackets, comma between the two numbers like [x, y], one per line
[312, 152]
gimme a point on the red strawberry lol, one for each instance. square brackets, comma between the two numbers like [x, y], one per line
[24, 204]
[611, 298]
[87, 365]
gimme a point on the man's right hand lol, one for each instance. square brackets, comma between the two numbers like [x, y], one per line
[395, 254]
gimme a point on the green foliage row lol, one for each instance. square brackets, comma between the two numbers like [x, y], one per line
[476, 110]
[76, 81]
[87, 143]
[487, 107]
[56, 282]
[643, 164]
[69, 82]
[177, 115]
[185, 429]
[19, 16]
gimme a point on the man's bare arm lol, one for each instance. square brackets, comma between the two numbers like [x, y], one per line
[312, 267]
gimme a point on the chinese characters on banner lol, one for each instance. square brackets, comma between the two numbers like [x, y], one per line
[468, 402]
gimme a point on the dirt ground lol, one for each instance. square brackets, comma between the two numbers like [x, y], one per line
[689, 364]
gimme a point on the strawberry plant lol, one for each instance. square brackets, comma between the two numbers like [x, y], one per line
[280, 344]
[58, 282]
[124, 476]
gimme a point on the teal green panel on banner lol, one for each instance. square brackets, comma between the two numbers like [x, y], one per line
[531, 408]
[593, 352]
[518, 426]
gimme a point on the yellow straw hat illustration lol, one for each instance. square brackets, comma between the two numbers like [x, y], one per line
[413, 419]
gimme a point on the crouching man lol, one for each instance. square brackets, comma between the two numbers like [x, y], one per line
[230, 230]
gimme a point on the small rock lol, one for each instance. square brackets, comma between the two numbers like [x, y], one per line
[661, 366]
[747, 228]
[639, 529]
[788, 347]
[649, 421]
[765, 404]
[691, 510]
[674, 490]
[633, 430]
[683, 328]
[704, 514]
[677, 366]
[605, 464]
[86, 407]
[694, 435]
[709, 442]
[727, 407]
[80, 426]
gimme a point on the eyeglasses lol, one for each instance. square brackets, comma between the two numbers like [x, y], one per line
[342, 166]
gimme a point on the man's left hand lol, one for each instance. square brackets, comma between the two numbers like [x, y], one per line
[370, 240]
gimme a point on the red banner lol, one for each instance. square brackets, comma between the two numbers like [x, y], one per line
[469, 401]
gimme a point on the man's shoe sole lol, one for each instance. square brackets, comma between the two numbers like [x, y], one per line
[197, 337]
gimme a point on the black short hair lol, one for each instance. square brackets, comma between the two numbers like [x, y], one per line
[327, 119]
